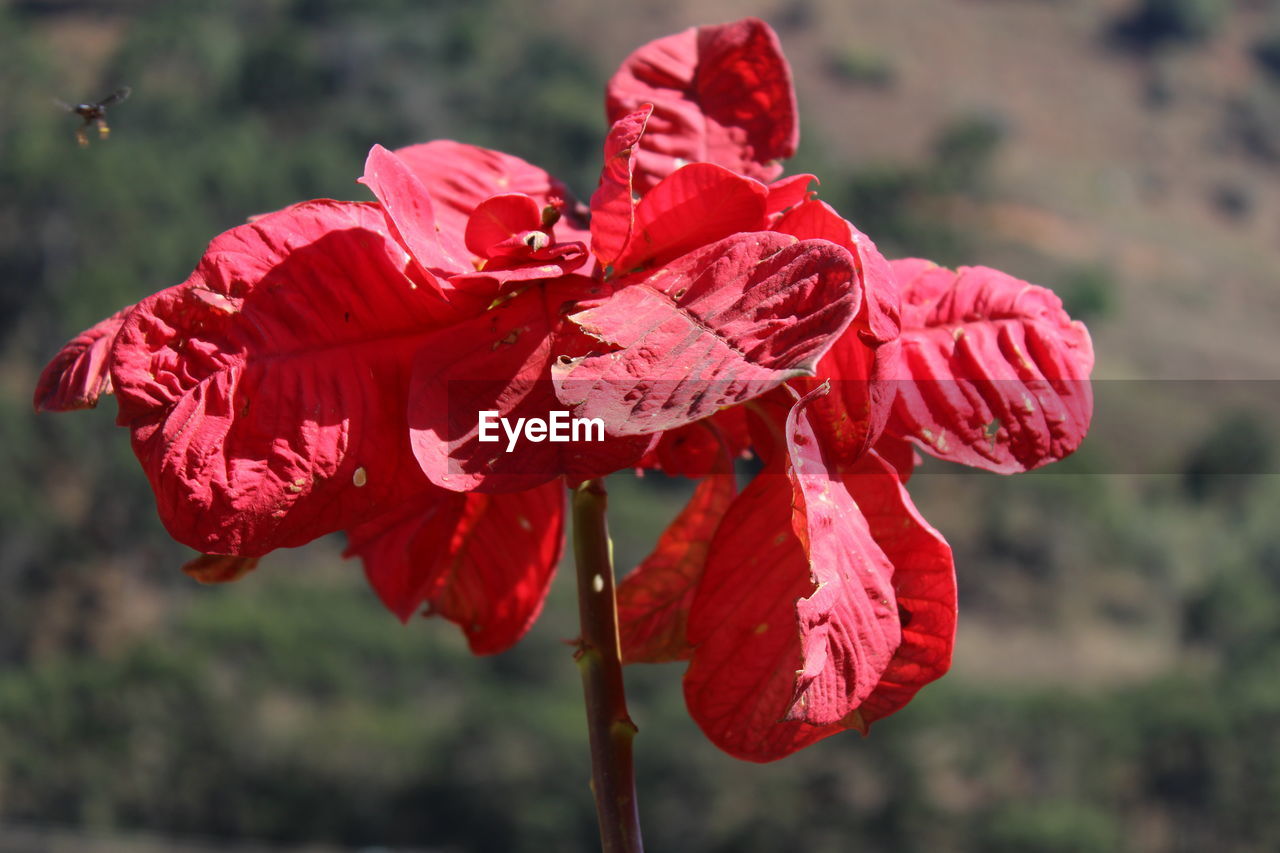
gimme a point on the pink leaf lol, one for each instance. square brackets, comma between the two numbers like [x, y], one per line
[994, 373]
[79, 374]
[721, 94]
[267, 393]
[720, 325]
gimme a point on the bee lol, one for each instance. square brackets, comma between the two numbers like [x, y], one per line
[94, 113]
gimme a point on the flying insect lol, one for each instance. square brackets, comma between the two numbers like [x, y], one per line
[94, 114]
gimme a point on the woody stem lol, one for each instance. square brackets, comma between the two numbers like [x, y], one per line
[600, 662]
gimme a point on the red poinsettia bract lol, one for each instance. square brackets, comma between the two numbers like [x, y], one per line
[327, 368]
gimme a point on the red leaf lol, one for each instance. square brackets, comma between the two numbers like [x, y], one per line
[459, 177]
[924, 583]
[498, 219]
[515, 263]
[862, 366]
[878, 320]
[849, 625]
[504, 236]
[696, 449]
[852, 417]
[499, 362]
[402, 549]
[507, 547]
[692, 207]
[795, 619]
[484, 562]
[266, 394]
[654, 599]
[742, 623]
[786, 193]
[721, 94]
[720, 325]
[613, 204]
[408, 205]
[900, 454]
[995, 374]
[79, 374]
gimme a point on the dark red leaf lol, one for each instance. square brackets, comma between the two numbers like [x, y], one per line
[267, 393]
[79, 374]
[721, 94]
[507, 548]
[654, 599]
[994, 373]
[718, 326]
[852, 418]
[403, 549]
[482, 561]
[696, 449]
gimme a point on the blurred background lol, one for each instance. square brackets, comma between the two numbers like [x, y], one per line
[1117, 675]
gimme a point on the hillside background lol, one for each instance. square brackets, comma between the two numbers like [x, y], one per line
[1117, 676]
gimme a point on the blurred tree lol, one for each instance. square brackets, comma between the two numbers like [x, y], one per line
[1227, 461]
[1088, 292]
[1151, 24]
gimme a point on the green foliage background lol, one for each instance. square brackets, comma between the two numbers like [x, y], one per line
[290, 709]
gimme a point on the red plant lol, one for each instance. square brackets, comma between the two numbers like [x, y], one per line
[326, 368]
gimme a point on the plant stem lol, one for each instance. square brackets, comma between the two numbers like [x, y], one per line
[600, 662]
